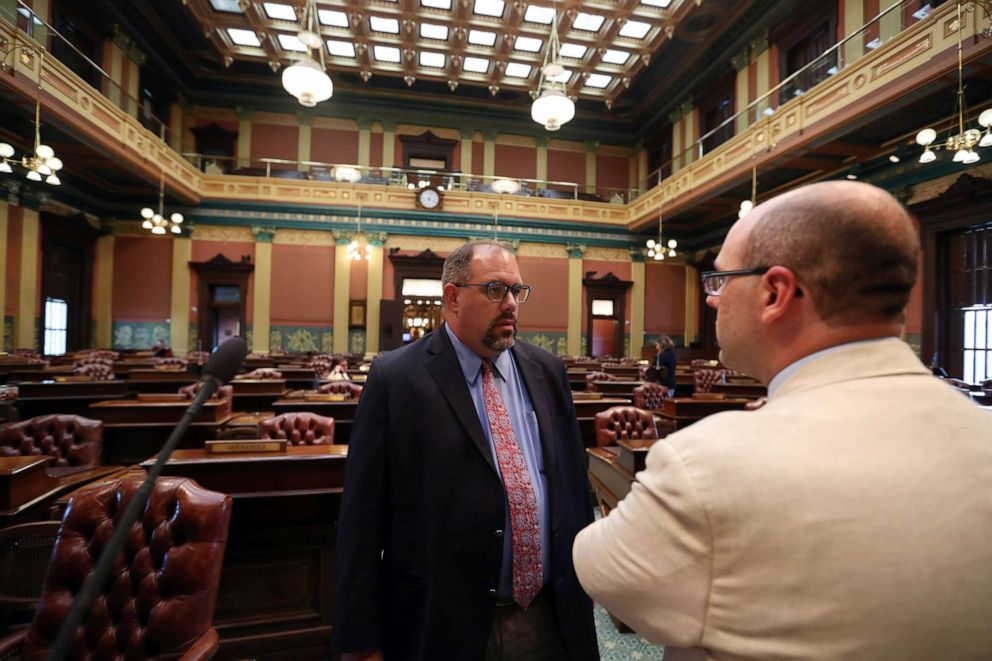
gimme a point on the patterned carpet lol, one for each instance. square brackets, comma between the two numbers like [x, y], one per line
[616, 646]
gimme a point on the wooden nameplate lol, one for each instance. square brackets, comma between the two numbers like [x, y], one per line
[163, 397]
[324, 397]
[81, 378]
[586, 394]
[246, 446]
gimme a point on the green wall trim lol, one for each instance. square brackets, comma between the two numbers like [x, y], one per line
[8, 333]
[140, 335]
[554, 341]
[301, 339]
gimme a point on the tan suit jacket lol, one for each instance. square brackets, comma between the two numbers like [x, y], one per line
[849, 518]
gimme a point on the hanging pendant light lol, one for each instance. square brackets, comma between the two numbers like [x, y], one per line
[155, 221]
[552, 108]
[43, 164]
[659, 249]
[305, 79]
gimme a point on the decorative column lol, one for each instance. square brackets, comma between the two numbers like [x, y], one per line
[305, 122]
[892, 23]
[640, 170]
[573, 336]
[541, 172]
[853, 12]
[389, 145]
[489, 155]
[763, 67]
[135, 58]
[113, 61]
[4, 224]
[182, 254]
[675, 117]
[637, 302]
[244, 137]
[26, 328]
[591, 148]
[741, 63]
[175, 137]
[364, 152]
[691, 304]
[261, 311]
[467, 138]
[373, 297]
[342, 291]
[103, 273]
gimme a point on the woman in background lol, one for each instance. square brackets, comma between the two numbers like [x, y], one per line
[665, 358]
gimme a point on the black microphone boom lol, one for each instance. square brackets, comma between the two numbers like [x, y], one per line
[221, 367]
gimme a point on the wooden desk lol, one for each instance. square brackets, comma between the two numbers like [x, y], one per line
[297, 377]
[276, 587]
[746, 390]
[614, 388]
[343, 413]
[69, 397]
[683, 411]
[257, 394]
[624, 371]
[165, 381]
[28, 486]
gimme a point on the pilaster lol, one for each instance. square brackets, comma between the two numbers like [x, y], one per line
[262, 308]
[637, 275]
[182, 254]
[373, 299]
[364, 158]
[26, 327]
[489, 154]
[244, 137]
[103, 272]
[573, 334]
[4, 225]
[389, 145]
[342, 292]
[691, 332]
[854, 18]
[591, 148]
[303, 141]
[541, 143]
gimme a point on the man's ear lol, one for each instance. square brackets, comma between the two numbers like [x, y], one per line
[780, 289]
[450, 296]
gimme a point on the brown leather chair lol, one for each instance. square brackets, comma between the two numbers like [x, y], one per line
[225, 393]
[71, 439]
[623, 422]
[592, 377]
[160, 601]
[649, 396]
[352, 390]
[703, 379]
[25, 550]
[263, 373]
[299, 428]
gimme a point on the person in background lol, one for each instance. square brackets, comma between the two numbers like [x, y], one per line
[339, 370]
[161, 349]
[666, 360]
[848, 517]
[465, 485]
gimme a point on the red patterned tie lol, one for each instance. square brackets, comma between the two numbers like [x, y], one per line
[528, 573]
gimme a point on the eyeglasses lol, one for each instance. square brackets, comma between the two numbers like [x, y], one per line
[496, 291]
[714, 281]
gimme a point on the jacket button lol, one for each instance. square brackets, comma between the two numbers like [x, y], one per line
[493, 593]
[499, 534]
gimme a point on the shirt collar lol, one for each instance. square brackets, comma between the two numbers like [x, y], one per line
[471, 362]
[791, 369]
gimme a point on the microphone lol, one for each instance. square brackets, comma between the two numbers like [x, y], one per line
[221, 367]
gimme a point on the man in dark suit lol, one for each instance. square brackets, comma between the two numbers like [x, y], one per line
[459, 437]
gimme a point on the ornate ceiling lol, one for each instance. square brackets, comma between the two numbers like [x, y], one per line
[488, 44]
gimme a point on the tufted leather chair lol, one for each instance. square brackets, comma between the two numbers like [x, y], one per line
[225, 393]
[160, 600]
[171, 360]
[649, 396]
[71, 439]
[198, 357]
[352, 390]
[263, 373]
[623, 422]
[703, 380]
[98, 371]
[299, 428]
[597, 376]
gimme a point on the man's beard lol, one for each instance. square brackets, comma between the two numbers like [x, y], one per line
[500, 342]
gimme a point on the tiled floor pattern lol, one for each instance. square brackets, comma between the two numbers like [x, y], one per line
[616, 646]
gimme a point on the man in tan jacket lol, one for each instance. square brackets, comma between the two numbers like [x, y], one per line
[851, 516]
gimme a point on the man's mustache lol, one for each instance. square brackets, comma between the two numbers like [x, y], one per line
[512, 318]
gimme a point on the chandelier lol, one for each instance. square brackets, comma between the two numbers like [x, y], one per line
[553, 107]
[305, 79]
[43, 164]
[659, 249]
[156, 220]
[359, 248]
[747, 205]
[963, 142]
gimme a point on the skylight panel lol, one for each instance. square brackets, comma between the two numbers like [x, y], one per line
[476, 64]
[616, 56]
[634, 29]
[597, 80]
[292, 42]
[381, 24]
[481, 38]
[279, 12]
[528, 44]
[386, 53]
[588, 22]
[432, 31]
[563, 77]
[335, 19]
[243, 37]
[231, 6]
[517, 70]
[536, 14]
[657, 3]
[574, 51]
[436, 4]
[489, 7]
[340, 48]
[431, 59]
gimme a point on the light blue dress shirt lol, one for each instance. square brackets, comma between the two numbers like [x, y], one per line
[524, 421]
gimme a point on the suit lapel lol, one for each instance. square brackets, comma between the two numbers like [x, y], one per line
[537, 388]
[443, 365]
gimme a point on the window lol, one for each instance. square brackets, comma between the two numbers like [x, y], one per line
[977, 344]
[602, 307]
[56, 326]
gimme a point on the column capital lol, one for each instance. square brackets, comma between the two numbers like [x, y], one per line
[364, 124]
[760, 43]
[741, 60]
[244, 113]
[304, 119]
[592, 146]
[636, 254]
[575, 250]
[490, 135]
[388, 126]
[466, 133]
[263, 234]
[542, 141]
[378, 239]
[341, 238]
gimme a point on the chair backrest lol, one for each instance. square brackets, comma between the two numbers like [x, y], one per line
[160, 599]
[171, 360]
[352, 390]
[25, 550]
[624, 422]
[264, 373]
[592, 377]
[225, 393]
[71, 439]
[299, 428]
[704, 379]
[649, 396]
[97, 371]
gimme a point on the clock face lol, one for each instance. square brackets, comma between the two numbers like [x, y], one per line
[429, 198]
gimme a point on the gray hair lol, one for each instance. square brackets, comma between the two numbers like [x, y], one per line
[458, 266]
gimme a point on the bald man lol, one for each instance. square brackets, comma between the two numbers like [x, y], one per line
[851, 516]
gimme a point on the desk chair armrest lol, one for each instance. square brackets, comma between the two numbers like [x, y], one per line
[11, 645]
[204, 648]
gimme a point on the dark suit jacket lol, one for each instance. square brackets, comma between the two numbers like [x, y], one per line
[420, 538]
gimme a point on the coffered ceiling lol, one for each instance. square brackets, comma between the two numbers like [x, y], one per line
[490, 44]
